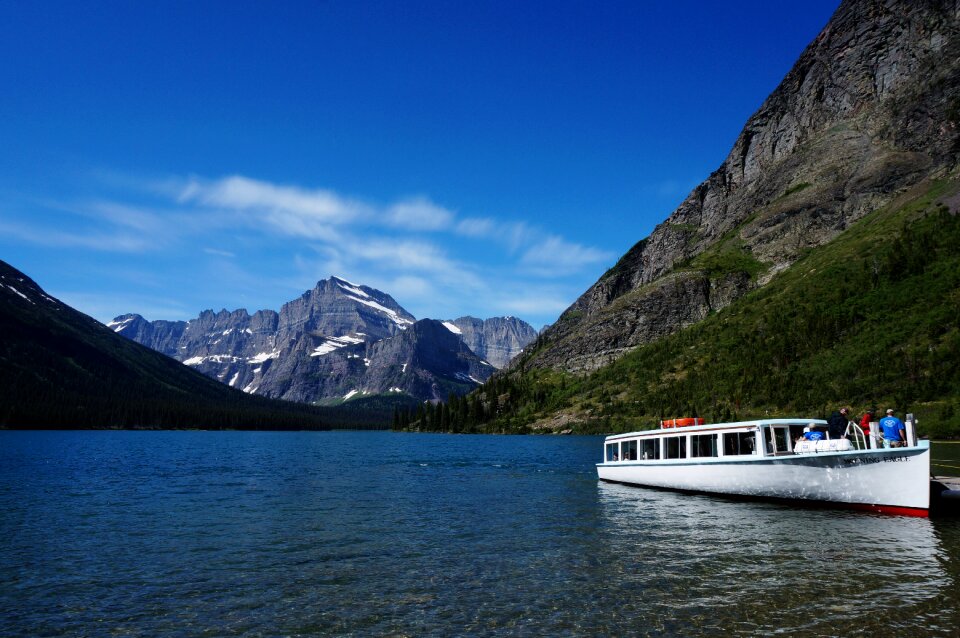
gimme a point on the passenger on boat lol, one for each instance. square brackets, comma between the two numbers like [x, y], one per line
[865, 421]
[809, 434]
[894, 431]
[837, 424]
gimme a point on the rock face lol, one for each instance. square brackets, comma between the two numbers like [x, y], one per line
[496, 340]
[337, 341]
[870, 109]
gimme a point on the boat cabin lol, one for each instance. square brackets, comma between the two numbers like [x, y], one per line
[769, 437]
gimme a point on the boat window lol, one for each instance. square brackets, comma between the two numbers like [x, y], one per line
[650, 448]
[703, 445]
[782, 437]
[735, 443]
[612, 452]
[629, 451]
[676, 447]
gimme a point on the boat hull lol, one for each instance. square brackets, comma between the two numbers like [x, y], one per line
[894, 481]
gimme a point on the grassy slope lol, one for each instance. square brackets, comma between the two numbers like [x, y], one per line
[871, 319]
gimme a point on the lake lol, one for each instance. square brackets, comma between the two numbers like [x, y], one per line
[380, 533]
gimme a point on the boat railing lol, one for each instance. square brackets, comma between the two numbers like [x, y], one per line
[855, 433]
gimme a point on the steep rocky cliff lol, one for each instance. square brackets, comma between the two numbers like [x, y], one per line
[871, 108]
[496, 340]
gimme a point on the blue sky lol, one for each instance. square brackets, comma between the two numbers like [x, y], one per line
[482, 158]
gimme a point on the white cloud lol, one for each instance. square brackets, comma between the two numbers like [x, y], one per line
[133, 217]
[281, 238]
[410, 254]
[219, 253]
[411, 287]
[476, 227]
[122, 242]
[554, 255]
[534, 305]
[290, 209]
[419, 214]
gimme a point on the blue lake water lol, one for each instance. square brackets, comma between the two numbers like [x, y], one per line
[378, 533]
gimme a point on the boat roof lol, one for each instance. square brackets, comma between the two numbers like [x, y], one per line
[718, 426]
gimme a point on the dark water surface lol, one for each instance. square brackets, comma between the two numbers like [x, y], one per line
[376, 533]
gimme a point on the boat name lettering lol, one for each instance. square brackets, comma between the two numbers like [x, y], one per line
[869, 460]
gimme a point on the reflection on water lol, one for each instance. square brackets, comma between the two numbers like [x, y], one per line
[718, 564]
[374, 533]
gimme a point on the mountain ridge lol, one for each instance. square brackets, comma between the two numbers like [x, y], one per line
[325, 346]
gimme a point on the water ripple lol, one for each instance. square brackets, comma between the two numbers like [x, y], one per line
[380, 534]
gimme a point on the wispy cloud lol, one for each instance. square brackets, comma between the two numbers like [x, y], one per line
[419, 214]
[554, 256]
[296, 211]
[122, 242]
[219, 253]
[476, 227]
[285, 237]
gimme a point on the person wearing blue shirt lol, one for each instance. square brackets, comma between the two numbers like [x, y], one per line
[812, 435]
[894, 432]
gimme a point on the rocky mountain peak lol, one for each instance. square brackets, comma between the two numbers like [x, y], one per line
[336, 341]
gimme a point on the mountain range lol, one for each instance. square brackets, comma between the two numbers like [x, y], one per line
[335, 342]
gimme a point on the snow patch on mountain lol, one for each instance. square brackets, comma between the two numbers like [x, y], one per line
[216, 358]
[352, 288]
[397, 319]
[120, 325]
[334, 343]
[452, 328]
[263, 356]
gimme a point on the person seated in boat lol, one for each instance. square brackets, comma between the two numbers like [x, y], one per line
[810, 434]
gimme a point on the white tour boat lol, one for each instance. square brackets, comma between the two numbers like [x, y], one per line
[768, 459]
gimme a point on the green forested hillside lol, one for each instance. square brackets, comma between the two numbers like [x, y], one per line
[870, 319]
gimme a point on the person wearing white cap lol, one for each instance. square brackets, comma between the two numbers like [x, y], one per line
[894, 431]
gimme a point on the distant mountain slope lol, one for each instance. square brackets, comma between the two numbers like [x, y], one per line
[338, 341]
[62, 369]
[871, 108]
[496, 340]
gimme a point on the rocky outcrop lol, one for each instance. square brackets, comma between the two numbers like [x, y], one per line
[871, 108]
[426, 361]
[496, 340]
